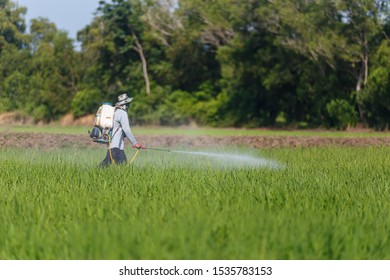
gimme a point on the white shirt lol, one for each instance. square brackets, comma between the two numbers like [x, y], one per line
[121, 130]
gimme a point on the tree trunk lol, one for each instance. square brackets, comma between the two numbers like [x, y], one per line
[358, 93]
[138, 48]
[363, 77]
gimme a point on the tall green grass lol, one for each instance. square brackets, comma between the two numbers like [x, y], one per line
[323, 203]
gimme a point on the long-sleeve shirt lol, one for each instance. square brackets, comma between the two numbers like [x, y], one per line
[121, 130]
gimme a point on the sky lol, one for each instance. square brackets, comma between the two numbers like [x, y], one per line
[68, 15]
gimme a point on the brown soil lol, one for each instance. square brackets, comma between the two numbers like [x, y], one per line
[14, 118]
[70, 120]
[52, 141]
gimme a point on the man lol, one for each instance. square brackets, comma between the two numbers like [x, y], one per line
[120, 130]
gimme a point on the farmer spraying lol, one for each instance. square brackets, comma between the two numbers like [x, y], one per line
[120, 130]
[111, 127]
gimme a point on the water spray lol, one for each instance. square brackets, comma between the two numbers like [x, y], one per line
[232, 159]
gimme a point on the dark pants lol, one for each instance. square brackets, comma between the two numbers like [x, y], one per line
[118, 156]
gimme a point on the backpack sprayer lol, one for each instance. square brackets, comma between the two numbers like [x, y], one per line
[104, 122]
[102, 130]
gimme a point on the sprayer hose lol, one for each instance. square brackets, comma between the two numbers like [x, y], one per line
[135, 155]
[109, 150]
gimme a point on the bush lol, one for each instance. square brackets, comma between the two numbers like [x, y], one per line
[40, 113]
[177, 108]
[5, 105]
[341, 114]
[85, 102]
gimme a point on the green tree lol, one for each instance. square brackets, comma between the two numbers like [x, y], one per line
[53, 71]
[376, 98]
[112, 46]
[13, 56]
[363, 22]
[336, 33]
[12, 24]
[191, 33]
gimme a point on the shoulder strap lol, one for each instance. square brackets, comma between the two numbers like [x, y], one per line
[120, 125]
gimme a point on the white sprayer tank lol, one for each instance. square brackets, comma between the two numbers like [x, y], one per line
[105, 116]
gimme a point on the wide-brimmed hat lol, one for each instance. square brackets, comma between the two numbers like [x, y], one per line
[123, 99]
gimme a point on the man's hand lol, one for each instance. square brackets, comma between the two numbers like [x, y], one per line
[138, 146]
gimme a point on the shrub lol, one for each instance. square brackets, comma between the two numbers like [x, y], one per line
[341, 113]
[85, 102]
[40, 113]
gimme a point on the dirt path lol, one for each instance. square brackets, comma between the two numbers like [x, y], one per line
[52, 141]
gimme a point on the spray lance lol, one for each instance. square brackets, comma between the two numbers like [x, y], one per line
[153, 149]
[145, 148]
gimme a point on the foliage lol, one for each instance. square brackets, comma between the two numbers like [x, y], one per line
[53, 76]
[215, 63]
[111, 62]
[85, 102]
[377, 96]
[12, 24]
[341, 113]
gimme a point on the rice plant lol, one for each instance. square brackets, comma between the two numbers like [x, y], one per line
[319, 203]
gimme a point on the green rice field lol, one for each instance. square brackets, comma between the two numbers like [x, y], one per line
[310, 203]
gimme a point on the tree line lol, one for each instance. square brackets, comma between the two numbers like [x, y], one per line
[252, 63]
